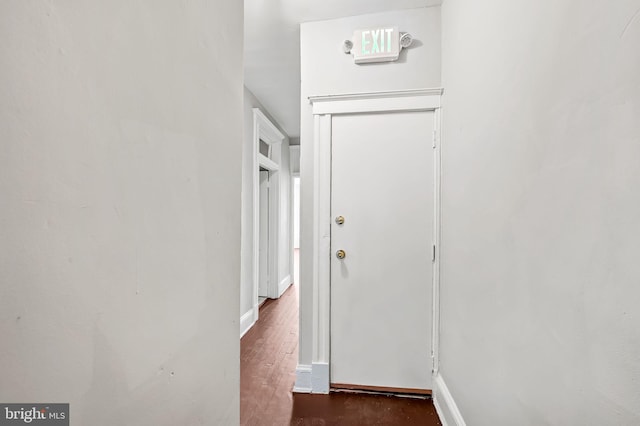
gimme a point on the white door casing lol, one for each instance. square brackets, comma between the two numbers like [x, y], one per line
[266, 131]
[316, 377]
[382, 187]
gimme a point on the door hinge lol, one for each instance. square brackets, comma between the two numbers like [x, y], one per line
[433, 254]
[434, 138]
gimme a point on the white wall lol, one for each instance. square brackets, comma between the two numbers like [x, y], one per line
[327, 70]
[121, 127]
[296, 212]
[294, 152]
[284, 243]
[540, 221]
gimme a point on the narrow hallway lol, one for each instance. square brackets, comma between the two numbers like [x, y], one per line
[269, 352]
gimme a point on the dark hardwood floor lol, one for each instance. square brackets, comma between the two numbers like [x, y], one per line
[269, 353]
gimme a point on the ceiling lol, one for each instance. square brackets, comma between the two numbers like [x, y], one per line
[272, 47]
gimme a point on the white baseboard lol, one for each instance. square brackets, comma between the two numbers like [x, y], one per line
[248, 320]
[303, 379]
[445, 405]
[320, 377]
[312, 378]
[284, 284]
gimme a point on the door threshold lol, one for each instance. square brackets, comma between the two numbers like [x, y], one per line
[382, 390]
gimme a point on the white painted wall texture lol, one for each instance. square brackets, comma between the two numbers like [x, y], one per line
[540, 221]
[327, 70]
[120, 130]
[284, 267]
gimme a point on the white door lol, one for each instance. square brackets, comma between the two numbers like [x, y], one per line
[382, 183]
[263, 236]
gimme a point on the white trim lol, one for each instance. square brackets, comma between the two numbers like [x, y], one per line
[268, 131]
[248, 320]
[265, 130]
[401, 100]
[323, 109]
[303, 379]
[322, 238]
[437, 170]
[445, 405]
[284, 284]
[438, 91]
[312, 378]
[320, 377]
[267, 163]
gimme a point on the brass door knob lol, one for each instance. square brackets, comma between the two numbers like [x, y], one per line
[340, 220]
[341, 254]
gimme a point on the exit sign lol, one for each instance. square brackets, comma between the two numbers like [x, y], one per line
[376, 45]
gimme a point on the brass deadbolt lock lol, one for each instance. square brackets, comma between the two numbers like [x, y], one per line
[341, 254]
[340, 220]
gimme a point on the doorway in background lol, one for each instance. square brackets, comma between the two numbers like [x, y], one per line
[263, 237]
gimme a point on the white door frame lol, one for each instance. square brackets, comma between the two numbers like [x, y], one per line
[265, 130]
[324, 107]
